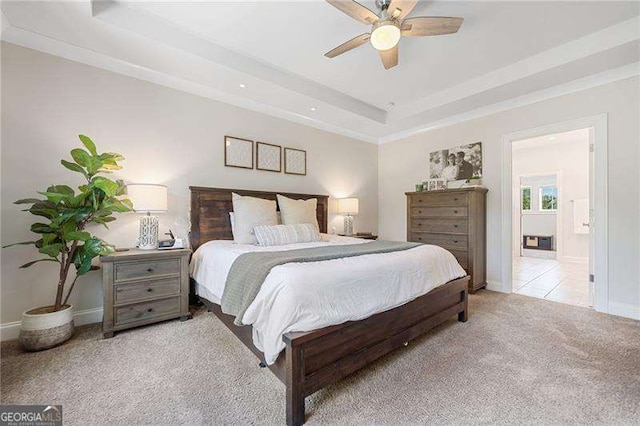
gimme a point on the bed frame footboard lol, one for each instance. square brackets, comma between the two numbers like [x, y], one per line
[316, 359]
[313, 360]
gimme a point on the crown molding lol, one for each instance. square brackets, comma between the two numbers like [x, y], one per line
[578, 85]
[85, 56]
[600, 41]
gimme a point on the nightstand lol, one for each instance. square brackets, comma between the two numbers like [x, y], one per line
[144, 286]
[362, 236]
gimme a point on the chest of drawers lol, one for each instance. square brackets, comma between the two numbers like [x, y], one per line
[144, 286]
[454, 219]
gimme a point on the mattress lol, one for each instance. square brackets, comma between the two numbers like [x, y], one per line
[309, 296]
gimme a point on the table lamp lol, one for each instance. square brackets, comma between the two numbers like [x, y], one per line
[148, 198]
[348, 207]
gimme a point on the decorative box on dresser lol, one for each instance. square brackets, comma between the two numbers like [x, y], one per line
[144, 286]
[454, 219]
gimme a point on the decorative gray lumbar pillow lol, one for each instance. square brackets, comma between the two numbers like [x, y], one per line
[298, 211]
[286, 234]
[249, 212]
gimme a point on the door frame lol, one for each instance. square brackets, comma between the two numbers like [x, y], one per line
[598, 209]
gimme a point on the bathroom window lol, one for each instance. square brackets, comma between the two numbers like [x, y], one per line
[525, 198]
[548, 198]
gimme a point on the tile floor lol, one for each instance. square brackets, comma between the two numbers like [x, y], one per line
[550, 279]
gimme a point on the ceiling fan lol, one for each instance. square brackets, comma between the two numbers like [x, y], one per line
[389, 25]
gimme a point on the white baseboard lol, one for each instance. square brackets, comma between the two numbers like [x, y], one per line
[11, 330]
[540, 254]
[497, 286]
[624, 310]
[575, 259]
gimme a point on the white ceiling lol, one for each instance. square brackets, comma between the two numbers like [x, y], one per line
[505, 51]
[580, 135]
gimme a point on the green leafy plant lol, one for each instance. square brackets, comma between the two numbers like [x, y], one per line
[63, 238]
[473, 177]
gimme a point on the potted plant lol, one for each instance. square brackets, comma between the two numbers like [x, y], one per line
[475, 180]
[65, 214]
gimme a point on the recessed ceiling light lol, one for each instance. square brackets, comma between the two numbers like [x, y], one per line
[312, 109]
[242, 85]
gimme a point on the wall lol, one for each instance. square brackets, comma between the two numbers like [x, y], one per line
[404, 162]
[167, 137]
[570, 160]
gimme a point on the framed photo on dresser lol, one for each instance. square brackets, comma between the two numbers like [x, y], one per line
[238, 152]
[268, 157]
[295, 161]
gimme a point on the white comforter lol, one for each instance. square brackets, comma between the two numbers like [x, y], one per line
[309, 296]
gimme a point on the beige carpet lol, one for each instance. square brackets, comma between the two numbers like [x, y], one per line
[517, 360]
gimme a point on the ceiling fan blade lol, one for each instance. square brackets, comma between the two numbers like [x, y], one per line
[354, 10]
[389, 57]
[401, 8]
[430, 25]
[351, 44]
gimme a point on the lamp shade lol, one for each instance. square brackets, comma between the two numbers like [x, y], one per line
[348, 205]
[147, 197]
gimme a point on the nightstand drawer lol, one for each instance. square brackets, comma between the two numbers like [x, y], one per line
[147, 269]
[125, 293]
[146, 310]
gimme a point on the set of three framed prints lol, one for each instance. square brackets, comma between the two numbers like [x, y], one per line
[239, 152]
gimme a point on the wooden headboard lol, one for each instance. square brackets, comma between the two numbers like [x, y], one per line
[210, 209]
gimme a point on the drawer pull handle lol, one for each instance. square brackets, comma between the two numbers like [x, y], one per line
[419, 224]
[455, 199]
[455, 241]
[149, 290]
[150, 310]
[455, 226]
[149, 269]
[455, 211]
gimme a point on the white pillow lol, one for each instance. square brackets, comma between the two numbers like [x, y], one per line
[286, 234]
[298, 211]
[233, 226]
[249, 212]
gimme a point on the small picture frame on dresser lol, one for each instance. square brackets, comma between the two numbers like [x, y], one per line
[268, 157]
[238, 152]
[295, 161]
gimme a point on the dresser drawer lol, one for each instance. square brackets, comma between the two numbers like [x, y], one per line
[462, 257]
[446, 226]
[147, 269]
[146, 310]
[450, 242]
[131, 292]
[418, 212]
[440, 199]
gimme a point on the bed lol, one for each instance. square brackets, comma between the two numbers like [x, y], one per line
[312, 360]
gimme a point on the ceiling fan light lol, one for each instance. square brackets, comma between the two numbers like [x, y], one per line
[385, 36]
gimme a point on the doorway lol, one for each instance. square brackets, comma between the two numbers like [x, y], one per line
[566, 215]
[551, 217]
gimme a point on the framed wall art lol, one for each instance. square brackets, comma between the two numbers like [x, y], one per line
[268, 157]
[454, 164]
[295, 161]
[238, 152]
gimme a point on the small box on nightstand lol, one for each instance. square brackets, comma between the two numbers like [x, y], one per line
[144, 286]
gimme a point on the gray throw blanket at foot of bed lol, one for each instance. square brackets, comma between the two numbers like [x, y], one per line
[249, 270]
